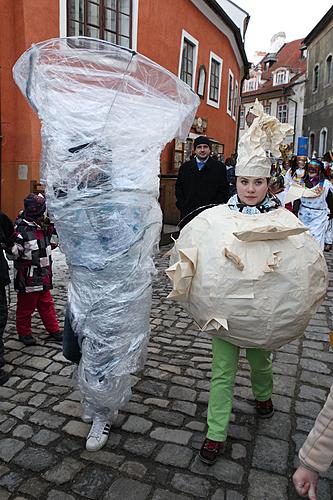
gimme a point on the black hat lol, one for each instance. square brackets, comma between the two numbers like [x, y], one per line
[34, 206]
[202, 140]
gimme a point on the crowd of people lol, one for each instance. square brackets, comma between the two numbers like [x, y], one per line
[202, 182]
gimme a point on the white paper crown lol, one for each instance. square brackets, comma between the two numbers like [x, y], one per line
[265, 133]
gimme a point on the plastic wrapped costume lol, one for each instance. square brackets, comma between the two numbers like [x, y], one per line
[106, 114]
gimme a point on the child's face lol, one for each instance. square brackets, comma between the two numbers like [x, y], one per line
[251, 190]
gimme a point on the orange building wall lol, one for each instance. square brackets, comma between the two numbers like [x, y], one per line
[160, 24]
[161, 42]
[22, 23]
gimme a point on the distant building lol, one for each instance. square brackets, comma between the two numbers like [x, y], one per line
[194, 39]
[318, 103]
[278, 82]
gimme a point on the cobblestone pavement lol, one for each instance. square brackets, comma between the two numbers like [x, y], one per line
[152, 451]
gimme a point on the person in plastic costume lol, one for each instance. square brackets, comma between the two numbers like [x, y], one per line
[106, 112]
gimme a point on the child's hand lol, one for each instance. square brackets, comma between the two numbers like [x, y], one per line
[305, 482]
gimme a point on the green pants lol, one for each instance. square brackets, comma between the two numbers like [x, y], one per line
[225, 364]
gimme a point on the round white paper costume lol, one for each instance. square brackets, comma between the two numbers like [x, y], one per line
[254, 280]
[106, 114]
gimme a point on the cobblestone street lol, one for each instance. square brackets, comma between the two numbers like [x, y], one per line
[152, 451]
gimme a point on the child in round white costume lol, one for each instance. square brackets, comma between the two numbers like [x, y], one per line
[243, 273]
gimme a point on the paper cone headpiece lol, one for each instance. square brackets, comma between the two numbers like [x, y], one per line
[265, 133]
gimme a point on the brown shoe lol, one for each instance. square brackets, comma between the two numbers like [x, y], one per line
[210, 451]
[264, 409]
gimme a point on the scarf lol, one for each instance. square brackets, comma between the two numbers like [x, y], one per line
[268, 204]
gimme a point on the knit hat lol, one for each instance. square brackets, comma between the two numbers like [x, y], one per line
[265, 133]
[202, 140]
[34, 206]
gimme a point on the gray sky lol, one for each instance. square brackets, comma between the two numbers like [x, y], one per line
[295, 17]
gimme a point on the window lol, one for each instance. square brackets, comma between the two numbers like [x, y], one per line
[109, 20]
[201, 81]
[280, 77]
[322, 142]
[328, 70]
[188, 59]
[282, 112]
[267, 109]
[250, 85]
[242, 118]
[182, 152]
[315, 78]
[230, 92]
[214, 82]
[235, 101]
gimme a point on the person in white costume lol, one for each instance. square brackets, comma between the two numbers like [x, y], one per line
[315, 212]
[242, 271]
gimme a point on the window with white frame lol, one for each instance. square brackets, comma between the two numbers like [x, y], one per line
[230, 92]
[282, 112]
[235, 101]
[322, 141]
[250, 85]
[109, 20]
[280, 77]
[242, 118]
[315, 78]
[328, 70]
[214, 80]
[267, 109]
[188, 59]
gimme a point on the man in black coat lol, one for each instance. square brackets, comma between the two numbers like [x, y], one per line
[201, 181]
[6, 242]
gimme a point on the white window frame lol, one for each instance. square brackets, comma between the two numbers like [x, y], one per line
[326, 83]
[322, 143]
[253, 83]
[135, 14]
[194, 41]
[314, 90]
[242, 118]
[230, 74]
[235, 100]
[216, 58]
[286, 111]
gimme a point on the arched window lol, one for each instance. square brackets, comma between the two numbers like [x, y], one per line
[328, 70]
[315, 78]
[322, 142]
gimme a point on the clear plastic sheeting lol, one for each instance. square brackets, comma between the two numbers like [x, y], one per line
[106, 114]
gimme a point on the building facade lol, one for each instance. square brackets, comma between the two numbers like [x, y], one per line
[318, 104]
[278, 82]
[194, 39]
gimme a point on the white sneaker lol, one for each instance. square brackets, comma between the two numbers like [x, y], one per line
[98, 435]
